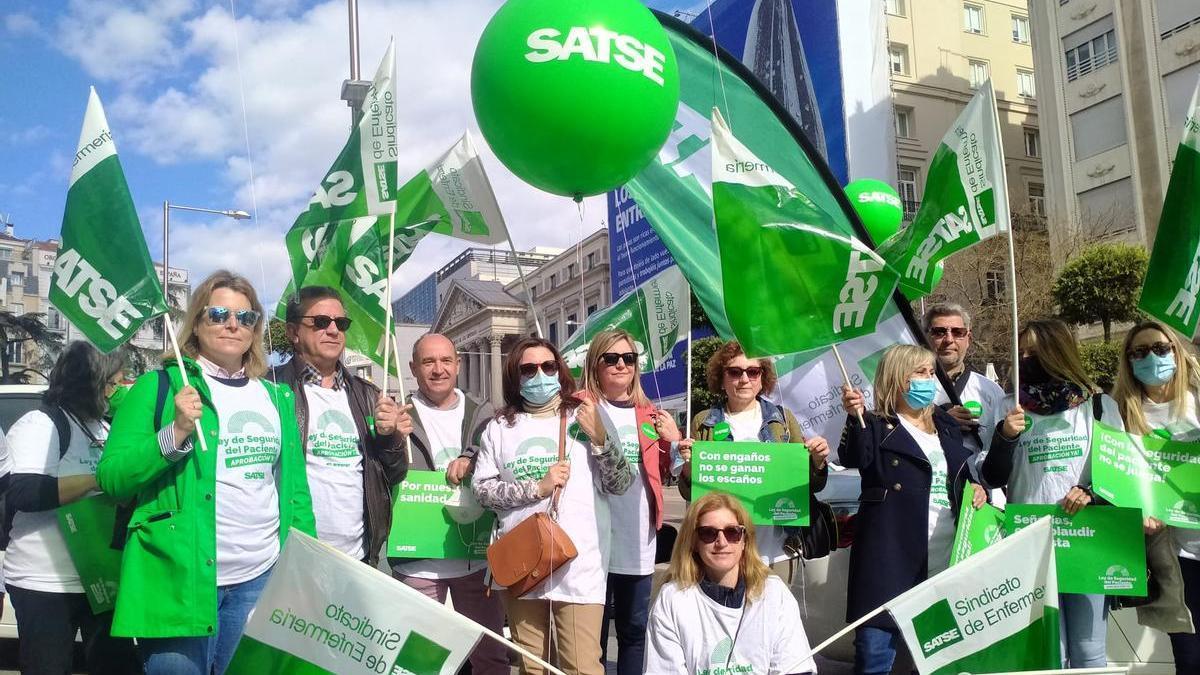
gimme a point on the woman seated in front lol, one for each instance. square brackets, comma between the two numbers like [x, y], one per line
[720, 609]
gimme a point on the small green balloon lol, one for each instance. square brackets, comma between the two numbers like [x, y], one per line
[938, 271]
[575, 97]
[878, 206]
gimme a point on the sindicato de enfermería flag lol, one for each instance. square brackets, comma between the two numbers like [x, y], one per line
[1173, 276]
[995, 612]
[104, 281]
[324, 612]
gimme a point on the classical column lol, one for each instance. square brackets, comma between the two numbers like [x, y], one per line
[496, 393]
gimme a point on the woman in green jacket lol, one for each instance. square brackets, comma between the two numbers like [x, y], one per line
[215, 471]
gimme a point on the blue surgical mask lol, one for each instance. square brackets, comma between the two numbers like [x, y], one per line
[920, 393]
[540, 388]
[1154, 370]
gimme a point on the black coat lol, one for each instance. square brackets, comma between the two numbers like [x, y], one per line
[891, 530]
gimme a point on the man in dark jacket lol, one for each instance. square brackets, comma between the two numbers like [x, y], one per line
[446, 428]
[353, 436]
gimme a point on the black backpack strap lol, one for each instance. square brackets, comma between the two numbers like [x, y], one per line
[61, 425]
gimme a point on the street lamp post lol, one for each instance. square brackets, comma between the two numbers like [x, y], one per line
[167, 206]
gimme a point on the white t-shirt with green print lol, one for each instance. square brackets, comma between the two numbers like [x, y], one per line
[247, 501]
[335, 470]
[633, 544]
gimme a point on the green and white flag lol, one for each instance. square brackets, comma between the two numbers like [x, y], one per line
[324, 612]
[966, 198]
[792, 282]
[995, 612]
[1173, 275]
[657, 314]
[104, 281]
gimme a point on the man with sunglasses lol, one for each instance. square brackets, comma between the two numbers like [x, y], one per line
[353, 436]
[948, 329]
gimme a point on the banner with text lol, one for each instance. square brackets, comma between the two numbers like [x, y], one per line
[325, 612]
[1159, 476]
[1099, 550]
[452, 523]
[770, 479]
[977, 529]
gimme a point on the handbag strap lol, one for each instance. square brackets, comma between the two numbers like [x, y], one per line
[562, 454]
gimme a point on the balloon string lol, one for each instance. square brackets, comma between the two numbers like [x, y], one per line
[645, 326]
[579, 206]
[717, 67]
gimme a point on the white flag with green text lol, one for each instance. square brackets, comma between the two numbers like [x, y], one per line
[324, 612]
[994, 612]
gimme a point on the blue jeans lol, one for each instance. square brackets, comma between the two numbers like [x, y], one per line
[208, 654]
[875, 650]
[1083, 624]
[628, 603]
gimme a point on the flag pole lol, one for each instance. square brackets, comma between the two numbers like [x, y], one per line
[182, 372]
[403, 396]
[519, 649]
[521, 273]
[860, 621]
[1014, 375]
[387, 300]
[687, 390]
[837, 354]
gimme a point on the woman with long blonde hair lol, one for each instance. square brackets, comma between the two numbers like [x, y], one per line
[915, 472]
[612, 378]
[1051, 462]
[720, 608]
[1158, 391]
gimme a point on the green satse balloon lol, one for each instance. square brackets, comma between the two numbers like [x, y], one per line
[575, 97]
[878, 206]
[938, 271]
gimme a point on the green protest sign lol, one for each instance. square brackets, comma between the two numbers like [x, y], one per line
[87, 528]
[422, 526]
[977, 529]
[770, 479]
[1099, 550]
[1159, 476]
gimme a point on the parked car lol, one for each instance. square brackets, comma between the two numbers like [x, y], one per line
[15, 401]
[821, 592]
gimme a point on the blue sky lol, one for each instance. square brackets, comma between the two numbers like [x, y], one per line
[167, 73]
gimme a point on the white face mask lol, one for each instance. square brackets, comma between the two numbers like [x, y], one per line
[462, 506]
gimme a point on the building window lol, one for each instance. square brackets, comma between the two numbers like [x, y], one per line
[553, 332]
[979, 73]
[5, 254]
[895, 7]
[572, 322]
[1091, 55]
[904, 122]
[552, 283]
[906, 185]
[1033, 143]
[17, 279]
[571, 271]
[364, 372]
[994, 285]
[1020, 29]
[591, 261]
[973, 18]
[1025, 85]
[16, 352]
[1037, 199]
[1098, 128]
[898, 58]
[591, 310]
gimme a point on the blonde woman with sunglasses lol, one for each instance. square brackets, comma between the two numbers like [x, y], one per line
[720, 609]
[517, 471]
[210, 514]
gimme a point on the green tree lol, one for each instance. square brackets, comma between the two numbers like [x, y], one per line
[1101, 284]
[20, 328]
[277, 341]
[702, 351]
[1100, 360]
[699, 316]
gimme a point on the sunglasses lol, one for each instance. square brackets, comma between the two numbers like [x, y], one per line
[530, 369]
[1159, 349]
[942, 331]
[322, 321]
[753, 372]
[611, 358]
[219, 316]
[733, 533]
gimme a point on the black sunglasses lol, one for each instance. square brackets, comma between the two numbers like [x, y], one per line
[942, 331]
[530, 369]
[611, 358]
[1159, 349]
[753, 372]
[322, 321]
[733, 533]
[219, 316]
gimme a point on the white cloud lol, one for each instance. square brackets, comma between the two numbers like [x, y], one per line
[28, 135]
[292, 67]
[21, 24]
[122, 41]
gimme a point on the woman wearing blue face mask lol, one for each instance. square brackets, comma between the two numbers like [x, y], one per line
[915, 472]
[1158, 390]
[516, 472]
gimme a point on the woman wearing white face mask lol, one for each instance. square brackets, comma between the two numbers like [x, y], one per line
[1158, 389]
[517, 470]
[915, 472]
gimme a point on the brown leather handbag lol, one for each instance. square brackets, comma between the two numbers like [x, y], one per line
[525, 556]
